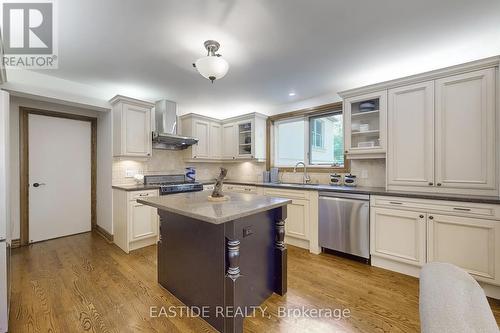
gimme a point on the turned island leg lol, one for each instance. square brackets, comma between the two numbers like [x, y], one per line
[233, 284]
[280, 252]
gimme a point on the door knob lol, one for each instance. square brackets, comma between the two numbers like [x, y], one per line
[38, 184]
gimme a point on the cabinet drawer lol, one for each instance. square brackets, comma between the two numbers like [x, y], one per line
[142, 194]
[291, 194]
[453, 207]
[240, 188]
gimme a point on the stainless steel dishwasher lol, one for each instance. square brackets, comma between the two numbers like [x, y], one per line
[344, 223]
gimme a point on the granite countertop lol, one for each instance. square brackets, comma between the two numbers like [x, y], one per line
[370, 191]
[197, 206]
[135, 187]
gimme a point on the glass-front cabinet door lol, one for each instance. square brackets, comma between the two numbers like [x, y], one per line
[365, 125]
[245, 139]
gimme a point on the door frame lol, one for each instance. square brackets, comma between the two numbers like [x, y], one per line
[24, 112]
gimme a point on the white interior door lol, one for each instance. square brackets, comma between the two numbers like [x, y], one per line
[60, 163]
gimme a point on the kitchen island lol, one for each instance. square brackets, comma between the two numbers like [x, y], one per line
[223, 258]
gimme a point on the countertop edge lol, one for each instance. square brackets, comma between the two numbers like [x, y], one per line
[214, 220]
[132, 188]
[371, 191]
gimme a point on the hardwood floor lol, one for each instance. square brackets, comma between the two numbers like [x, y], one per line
[82, 283]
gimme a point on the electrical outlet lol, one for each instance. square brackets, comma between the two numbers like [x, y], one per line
[247, 231]
[130, 173]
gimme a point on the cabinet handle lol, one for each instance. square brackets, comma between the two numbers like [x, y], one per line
[347, 151]
[462, 209]
[431, 217]
[438, 184]
[431, 183]
[395, 203]
[194, 156]
[247, 189]
[421, 216]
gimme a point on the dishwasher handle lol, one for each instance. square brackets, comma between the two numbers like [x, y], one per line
[355, 196]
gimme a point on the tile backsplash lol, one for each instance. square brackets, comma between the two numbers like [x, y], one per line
[370, 172]
[172, 162]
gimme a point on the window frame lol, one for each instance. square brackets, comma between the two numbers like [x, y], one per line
[313, 133]
[306, 115]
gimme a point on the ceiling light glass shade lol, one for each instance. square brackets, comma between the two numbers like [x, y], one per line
[212, 67]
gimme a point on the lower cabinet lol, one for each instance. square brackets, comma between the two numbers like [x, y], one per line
[398, 234]
[301, 224]
[419, 231]
[240, 188]
[465, 242]
[143, 221]
[135, 225]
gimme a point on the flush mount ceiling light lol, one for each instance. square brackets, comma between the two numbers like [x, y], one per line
[213, 66]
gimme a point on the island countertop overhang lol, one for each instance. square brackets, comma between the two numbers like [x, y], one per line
[196, 205]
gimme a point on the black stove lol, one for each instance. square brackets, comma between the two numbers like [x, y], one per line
[170, 184]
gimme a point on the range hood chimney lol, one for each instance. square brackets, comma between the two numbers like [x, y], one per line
[165, 133]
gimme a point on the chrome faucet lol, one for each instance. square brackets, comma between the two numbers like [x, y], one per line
[306, 179]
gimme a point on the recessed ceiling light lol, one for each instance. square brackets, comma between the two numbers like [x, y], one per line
[291, 94]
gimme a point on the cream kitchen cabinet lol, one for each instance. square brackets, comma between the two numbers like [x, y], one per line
[406, 233]
[135, 225]
[301, 225]
[132, 134]
[398, 235]
[208, 131]
[410, 152]
[465, 132]
[215, 139]
[249, 137]
[228, 141]
[442, 137]
[470, 243]
[240, 188]
[365, 126]
[238, 138]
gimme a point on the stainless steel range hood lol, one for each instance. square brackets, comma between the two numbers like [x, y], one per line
[165, 133]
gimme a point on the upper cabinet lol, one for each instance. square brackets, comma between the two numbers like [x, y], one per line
[239, 138]
[228, 135]
[441, 135]
[200, 128]
[465, 131]
[439, 131]
[411, 135]
[365, 125]
[131, 127]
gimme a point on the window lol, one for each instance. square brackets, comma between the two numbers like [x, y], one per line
[317, 126]
[317, 140]
[289, 142]
[327, 140]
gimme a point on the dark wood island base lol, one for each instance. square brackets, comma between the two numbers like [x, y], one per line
[226, 269]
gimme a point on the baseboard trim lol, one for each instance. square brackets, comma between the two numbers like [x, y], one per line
[15, 243]
[101, 231]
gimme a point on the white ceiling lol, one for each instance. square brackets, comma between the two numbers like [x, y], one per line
[145, 49]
